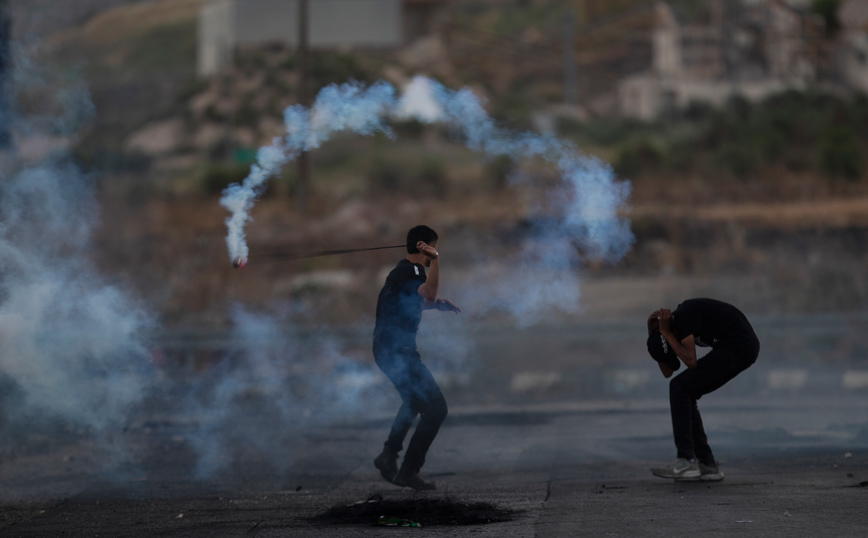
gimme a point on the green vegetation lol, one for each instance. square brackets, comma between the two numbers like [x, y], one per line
[828, 9]
[163, 48]
[797, 131]
[327, 67]
[218, 176]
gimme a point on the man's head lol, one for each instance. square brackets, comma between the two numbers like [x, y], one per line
[420, 233]
[424, 234]
[660, 351]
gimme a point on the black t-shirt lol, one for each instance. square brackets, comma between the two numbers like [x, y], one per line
[399, 307]
[713, 323]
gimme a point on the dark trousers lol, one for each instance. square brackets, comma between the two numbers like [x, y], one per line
[420, 395]
[711, 372]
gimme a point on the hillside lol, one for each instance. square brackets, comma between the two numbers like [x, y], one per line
[735, 201]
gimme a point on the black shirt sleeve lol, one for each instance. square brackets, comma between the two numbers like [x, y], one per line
[687, 319]
[410, 277]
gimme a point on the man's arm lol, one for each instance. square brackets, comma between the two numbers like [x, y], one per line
[684, 349]
[428, 290]
[444, 305]
[654, 325]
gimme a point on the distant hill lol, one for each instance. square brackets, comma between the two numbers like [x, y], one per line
[42, 18]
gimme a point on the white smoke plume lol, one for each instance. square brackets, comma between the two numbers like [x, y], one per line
[590, 196]
[255, 402]
[349, 107]
[72, 344]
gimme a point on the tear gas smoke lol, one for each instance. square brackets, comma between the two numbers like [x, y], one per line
[283, 380]
[73, 345]
[589, 196]
[586, 199]
[280, 382]
[349, 107]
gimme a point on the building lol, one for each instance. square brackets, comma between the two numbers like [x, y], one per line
[853, 51]
[225, 25]
[749, 49]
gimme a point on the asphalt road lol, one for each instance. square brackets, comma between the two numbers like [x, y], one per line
[559, 424]
[569, 469]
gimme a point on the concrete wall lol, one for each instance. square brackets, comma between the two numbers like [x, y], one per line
[647, 96]
[853, 16]
[224, 24]
[356, 23]
[215, 36]
[855, 60]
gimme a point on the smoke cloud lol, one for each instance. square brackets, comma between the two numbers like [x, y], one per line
[590, 196]
[581, 210]
[348, 107]
[280, 382]
[74, 346]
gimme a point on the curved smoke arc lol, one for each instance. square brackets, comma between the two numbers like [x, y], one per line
[590, 196]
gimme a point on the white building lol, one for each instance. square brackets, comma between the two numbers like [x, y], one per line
[227, 24]
[765, 49]
[853, 17]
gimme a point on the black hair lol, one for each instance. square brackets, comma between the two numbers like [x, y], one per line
[660, 351]
[419, 233]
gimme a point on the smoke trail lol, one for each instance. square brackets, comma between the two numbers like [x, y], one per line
[348, 107]
[590, 196]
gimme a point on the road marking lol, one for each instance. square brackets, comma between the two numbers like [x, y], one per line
[787, 379]
[855, 379]
[533, 381]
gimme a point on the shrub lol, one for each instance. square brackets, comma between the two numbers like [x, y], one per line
[840, 153]
[411, 128]
[384, 176]
[738, 158]
[336, 68]
[431, 178]
[218, 176]
[680, 156]
[636, 157]
[247, 113]
[828, 9]
[499, 170]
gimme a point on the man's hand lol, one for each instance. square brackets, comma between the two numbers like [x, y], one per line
[665, 320]
[445, 305]
[427, 250]
[653, 322]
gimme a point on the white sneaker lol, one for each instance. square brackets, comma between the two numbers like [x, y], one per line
[679, 469]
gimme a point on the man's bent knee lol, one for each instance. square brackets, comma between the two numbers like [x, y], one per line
[437, 410]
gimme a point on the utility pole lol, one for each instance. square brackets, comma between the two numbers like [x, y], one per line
[303, 180]
[571, 75]
[5, 76]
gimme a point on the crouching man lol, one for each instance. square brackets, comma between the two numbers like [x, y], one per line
[734, 348]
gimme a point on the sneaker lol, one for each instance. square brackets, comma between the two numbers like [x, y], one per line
[710, 473]
[387, 463]
[409, 479]
[679, 469]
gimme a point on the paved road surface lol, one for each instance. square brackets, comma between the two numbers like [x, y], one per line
[559, 423]
[572, 468]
